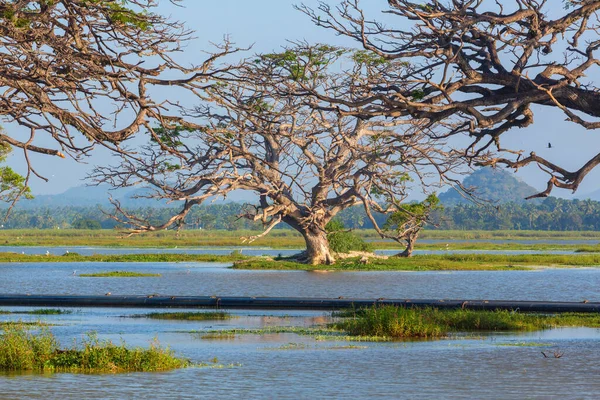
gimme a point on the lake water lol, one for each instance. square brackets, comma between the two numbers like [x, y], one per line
[208, 279]
[290, 366]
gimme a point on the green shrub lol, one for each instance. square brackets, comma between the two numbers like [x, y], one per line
[342, 241]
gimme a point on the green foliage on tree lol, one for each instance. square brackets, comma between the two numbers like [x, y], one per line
[413, 216]
[12, 185]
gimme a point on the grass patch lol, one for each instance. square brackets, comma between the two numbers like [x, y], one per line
[45, 311]
[399, 323]
[449, 262]
[318, 333]
[21, 350]
[15, 257]
[280, 238]
[525, 344]
[41, 311]
[29, 324]
[190, 316]
[119, 274]
[218, 336]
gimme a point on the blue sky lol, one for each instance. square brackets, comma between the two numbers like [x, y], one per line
[267, 25]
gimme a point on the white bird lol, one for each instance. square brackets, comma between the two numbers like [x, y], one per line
[74, 272]
[47, 253]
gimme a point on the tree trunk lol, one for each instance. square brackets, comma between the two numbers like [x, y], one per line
[410, 246]
[317, 248]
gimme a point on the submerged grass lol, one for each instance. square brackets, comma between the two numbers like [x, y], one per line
[28, 324]
[22, 350]
[190, 316]
[119, 274]
[398, 323]
[45, 311]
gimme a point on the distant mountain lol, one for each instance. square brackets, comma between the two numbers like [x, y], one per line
[491, 184]
[91, 196]
[88, 196]
[595, 195]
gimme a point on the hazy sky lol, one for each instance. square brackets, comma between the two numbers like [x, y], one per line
[267, 24]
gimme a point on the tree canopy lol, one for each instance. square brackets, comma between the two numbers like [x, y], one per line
[477, 68]
[90, 69]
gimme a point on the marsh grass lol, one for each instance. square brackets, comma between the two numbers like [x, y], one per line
[525, 344]
[25, 324]
[217, 336]
[119, 274]
[318, 333]
[23, 350]
[189, 316]
[14, 257]
[41, 311]
[399, 322]
[447, 262]
[45, 311]
[280, 238]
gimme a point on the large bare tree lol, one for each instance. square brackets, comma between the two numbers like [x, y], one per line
[91, 70]
[304, 160]
[478, 68]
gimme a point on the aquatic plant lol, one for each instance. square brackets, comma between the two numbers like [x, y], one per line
[399, 322]
[23, 350]
[190, 316]
[119, 274]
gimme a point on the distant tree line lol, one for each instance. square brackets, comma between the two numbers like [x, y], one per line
[550, 214]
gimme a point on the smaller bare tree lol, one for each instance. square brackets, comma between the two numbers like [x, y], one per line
[405, 224]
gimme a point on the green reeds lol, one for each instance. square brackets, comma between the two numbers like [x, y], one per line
[398, 322]
[23, 350]
[190, 316]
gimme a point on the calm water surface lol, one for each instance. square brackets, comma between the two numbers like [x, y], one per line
[202, 279]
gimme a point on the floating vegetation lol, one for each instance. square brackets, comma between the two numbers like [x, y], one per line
[299, 330]
[119, 274]
[348, 347]
[218, 336]
[189, 316]
[45, 311]
[317, 333]
[525, 344]
[305, 346]
[21, 350]
[28, 324]
[290, 346]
